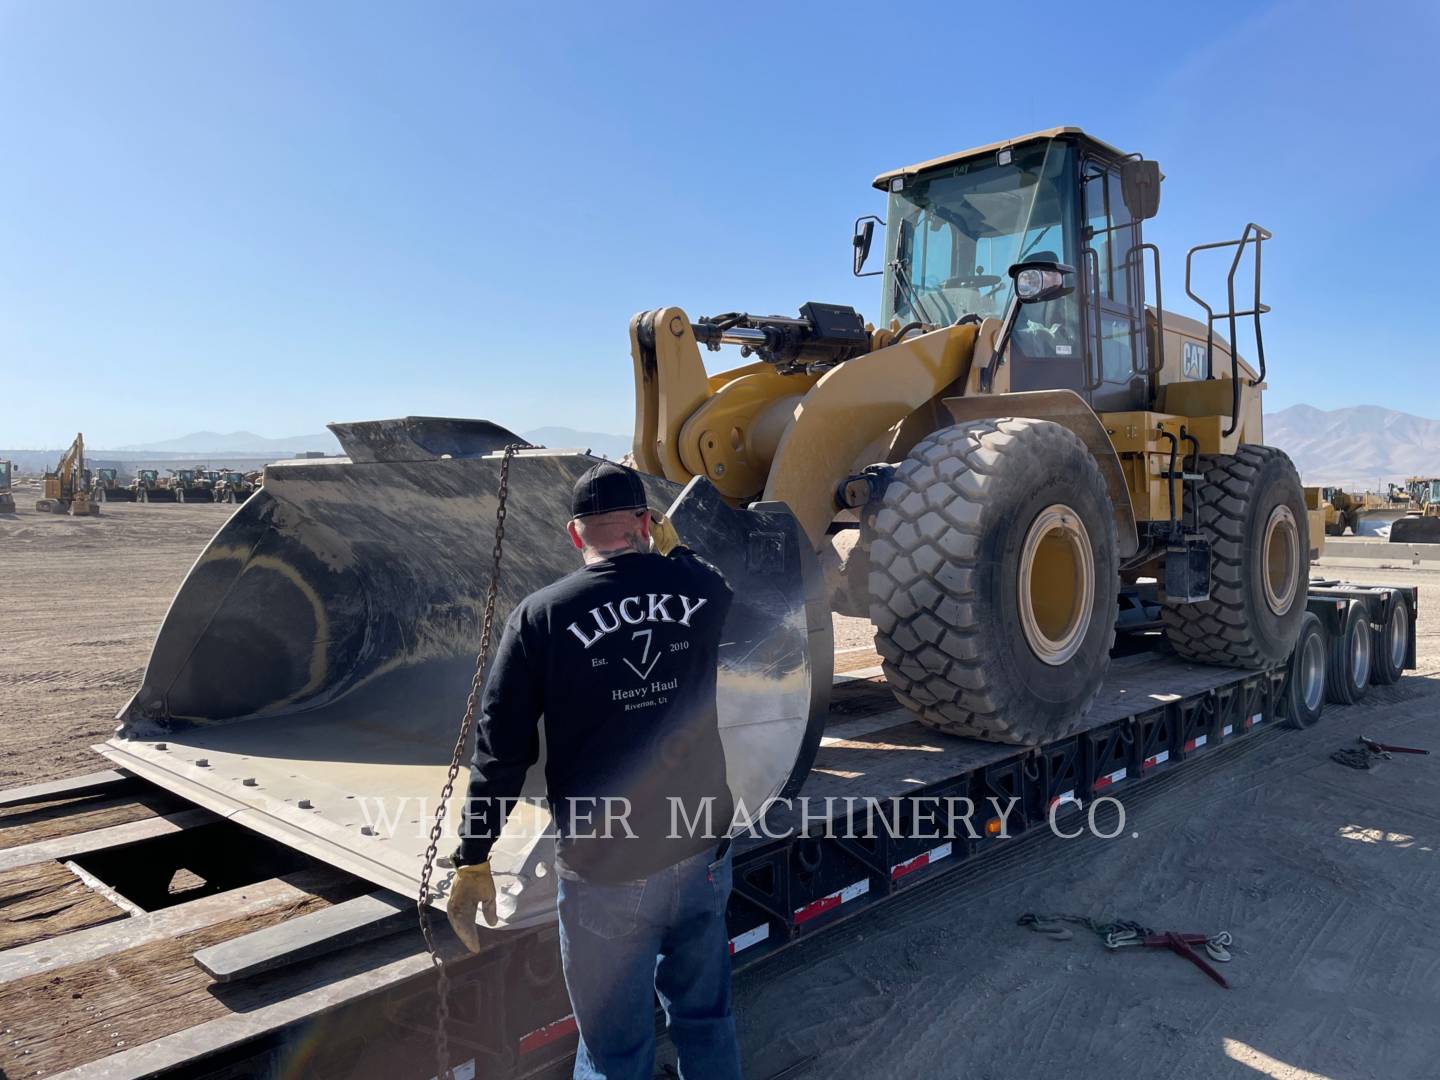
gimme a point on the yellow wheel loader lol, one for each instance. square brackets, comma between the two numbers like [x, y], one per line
[1421, 523]
[1020, 432]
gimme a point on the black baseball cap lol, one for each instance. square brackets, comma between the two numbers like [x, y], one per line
[605, 487]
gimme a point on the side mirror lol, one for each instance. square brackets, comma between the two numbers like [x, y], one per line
[1036, 282]
[863, 238]
[1140, 188]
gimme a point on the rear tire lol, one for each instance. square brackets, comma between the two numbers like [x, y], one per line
[993, 580]
[1252, 510]
[1391, 646]
[1347, 676]
[1305, 682]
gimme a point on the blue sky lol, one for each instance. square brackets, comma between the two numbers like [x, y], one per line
[271, 215]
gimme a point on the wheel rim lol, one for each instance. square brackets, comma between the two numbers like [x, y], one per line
[1312, 672]
[1397, 637]
[1282, 559]
[1360, 655]
[1057, 584]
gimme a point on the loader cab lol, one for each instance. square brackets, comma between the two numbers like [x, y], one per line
[954, 227]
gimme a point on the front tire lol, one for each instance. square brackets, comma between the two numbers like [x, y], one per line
[1252, 511]
[993, 580]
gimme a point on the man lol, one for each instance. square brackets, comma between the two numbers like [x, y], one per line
[620, 657]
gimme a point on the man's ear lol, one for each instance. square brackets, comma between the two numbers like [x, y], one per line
[573, 528]
[645, 525]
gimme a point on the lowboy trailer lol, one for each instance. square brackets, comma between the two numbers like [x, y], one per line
[145, 936]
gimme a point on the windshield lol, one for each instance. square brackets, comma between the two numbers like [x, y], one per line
[952, 234]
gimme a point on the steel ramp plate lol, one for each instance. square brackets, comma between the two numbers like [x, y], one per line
[318, 656]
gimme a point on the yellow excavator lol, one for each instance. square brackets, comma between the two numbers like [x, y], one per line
[1023, 430]
[67, 487]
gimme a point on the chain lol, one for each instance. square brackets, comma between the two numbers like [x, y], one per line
[457, 756]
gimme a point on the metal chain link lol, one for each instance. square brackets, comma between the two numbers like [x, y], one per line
[457, 757]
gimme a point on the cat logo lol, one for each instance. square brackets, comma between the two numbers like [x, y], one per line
[1193, 362]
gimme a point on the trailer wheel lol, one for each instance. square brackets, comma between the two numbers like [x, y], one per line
[1392, 645]
[1252, 510]
[1347, 678]
[1305, 680]
[993, 580]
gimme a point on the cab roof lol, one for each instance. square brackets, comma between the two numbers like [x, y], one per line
[883, 180]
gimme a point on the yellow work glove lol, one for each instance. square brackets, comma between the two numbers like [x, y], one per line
[663, 537]
[472, 890]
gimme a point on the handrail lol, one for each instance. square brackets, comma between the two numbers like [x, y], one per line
[1099, 376]
[1258, 309]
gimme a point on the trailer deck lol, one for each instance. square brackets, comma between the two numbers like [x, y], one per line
[142, 935]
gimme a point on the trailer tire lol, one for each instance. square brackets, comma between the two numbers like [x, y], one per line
[1391, 645]
[993, 580]
[1305, 679]
[1252, 510]
[1352, 651]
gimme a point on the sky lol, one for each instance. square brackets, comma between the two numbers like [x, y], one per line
[269, 215]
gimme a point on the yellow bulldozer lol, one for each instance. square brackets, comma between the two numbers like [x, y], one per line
[67, 489]
[1021, 431]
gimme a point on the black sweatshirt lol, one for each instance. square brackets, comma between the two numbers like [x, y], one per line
[620, 657]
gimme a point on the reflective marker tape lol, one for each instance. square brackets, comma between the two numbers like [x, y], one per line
[1064, 796]
[1158, 759]
[1227, 729]
[1257, 718]
[1114, 778]
[919, 862]
[1195, 743]
[819, 907]
[753, 936]
[544, 1036]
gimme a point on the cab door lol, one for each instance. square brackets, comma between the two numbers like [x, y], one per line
[1112, 286]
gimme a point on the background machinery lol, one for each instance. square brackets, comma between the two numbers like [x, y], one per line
[191, 485]
[1421, 523]
[1022, 435]
[66, 490]
[7, 498]
[106, 488]
[148, 486]
[233, 486]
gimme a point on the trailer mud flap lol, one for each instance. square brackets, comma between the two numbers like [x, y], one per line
[312, 670]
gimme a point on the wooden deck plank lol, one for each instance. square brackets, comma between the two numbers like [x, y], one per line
[59, 950]
[29, 823]
[362, 919]
[40, 902]
[64, 1017]
[86, 784]
[64, 847]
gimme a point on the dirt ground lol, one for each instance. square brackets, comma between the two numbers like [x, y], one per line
[82, 599]
[1327, 877]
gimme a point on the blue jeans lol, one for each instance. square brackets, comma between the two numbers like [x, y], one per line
[621, 945]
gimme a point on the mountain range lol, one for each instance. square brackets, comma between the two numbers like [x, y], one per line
[1360, 447]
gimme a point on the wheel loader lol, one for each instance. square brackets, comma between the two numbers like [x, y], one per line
[1023, 430]
[107, 488]
[1421, 523]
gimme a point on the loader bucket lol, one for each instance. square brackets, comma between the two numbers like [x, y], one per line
[311, 674]
[1416, 529]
